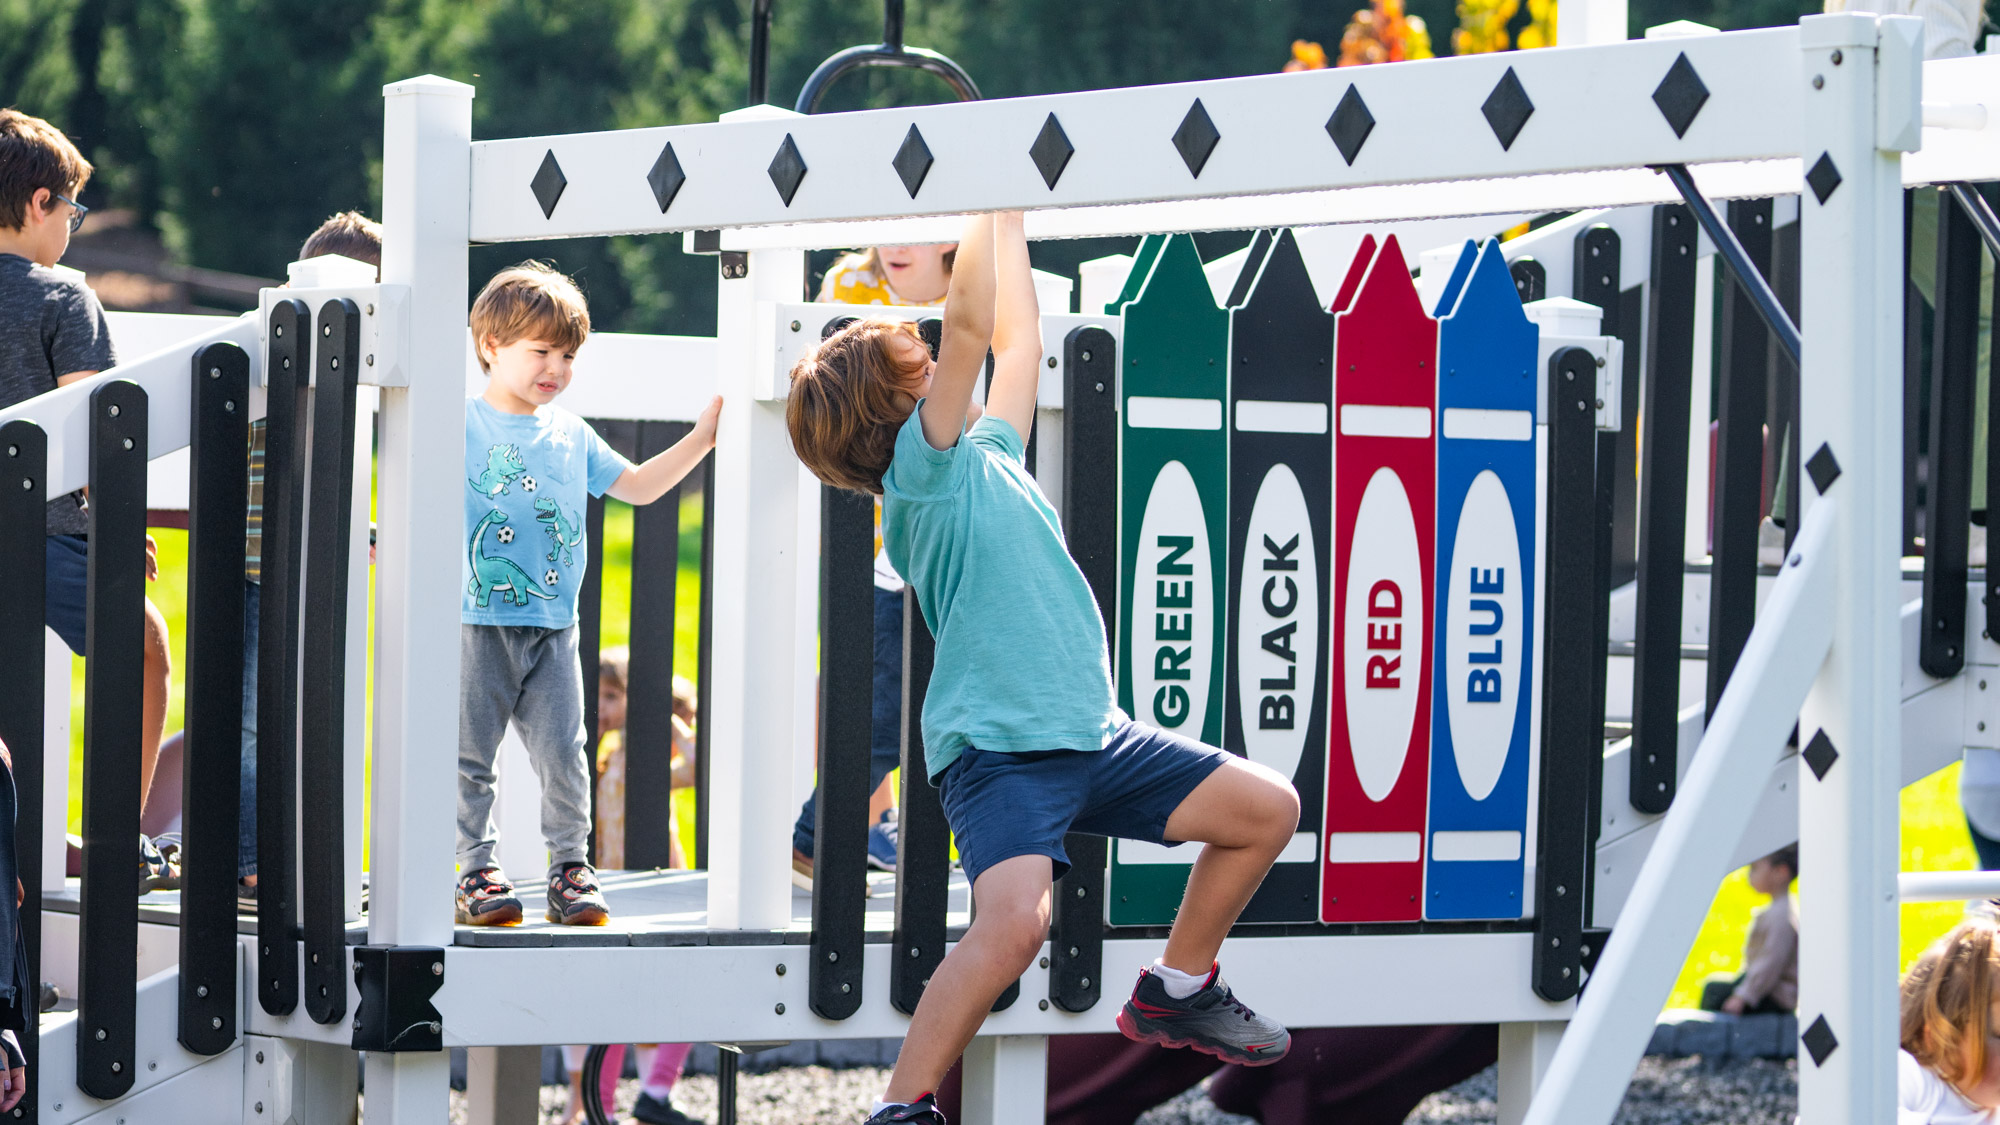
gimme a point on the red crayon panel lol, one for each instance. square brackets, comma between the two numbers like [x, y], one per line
[1384, 533]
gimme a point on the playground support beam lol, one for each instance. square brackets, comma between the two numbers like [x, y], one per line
[425, 181]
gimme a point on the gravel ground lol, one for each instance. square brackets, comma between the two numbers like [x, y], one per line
[1664, 1092]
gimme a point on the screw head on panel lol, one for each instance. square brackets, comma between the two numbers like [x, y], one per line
[780, 1009]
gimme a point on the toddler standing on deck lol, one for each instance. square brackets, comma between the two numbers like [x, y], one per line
[529, 465]
[1022, 734]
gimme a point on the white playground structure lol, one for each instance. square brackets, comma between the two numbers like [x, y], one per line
[1839, 111]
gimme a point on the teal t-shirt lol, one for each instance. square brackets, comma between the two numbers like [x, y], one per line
[1022, 662]
[528, 479]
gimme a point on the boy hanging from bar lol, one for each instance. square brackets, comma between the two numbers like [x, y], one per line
[528, 467]
[1022, 732]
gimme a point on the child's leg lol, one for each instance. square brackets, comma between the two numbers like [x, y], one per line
[1008, 929]
[668, 1059]
[550, 714]
[487, 685]
[153, 697]
[1244, 814]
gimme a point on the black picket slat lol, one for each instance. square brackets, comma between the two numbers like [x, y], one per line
[114, 679]
[649, 689]
[212, 750]
[589, 642]
[1569, 737]
[1670, 314]
[1090, 527]
[323, 700]
[846, 726]
[24, 456]
[288, 359]
[1786, 459]
[1739, 453]
[1948, 495]
[1531, 279]
[923, 841]
[1597, 259]
[1913, 384]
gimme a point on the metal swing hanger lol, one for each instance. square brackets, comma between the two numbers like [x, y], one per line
[889, 53]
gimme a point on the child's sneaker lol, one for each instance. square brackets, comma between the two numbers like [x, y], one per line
[649, 1110]
[486, 898]
[923, 1111]
[882, 842]
[574, 897]
[159, 866]
[1211, 1021]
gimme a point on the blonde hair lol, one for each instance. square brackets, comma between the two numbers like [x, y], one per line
[849, 398]
[531, 301]
[1947, 1003]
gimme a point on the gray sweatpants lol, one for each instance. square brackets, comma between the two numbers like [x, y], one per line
[531, 676]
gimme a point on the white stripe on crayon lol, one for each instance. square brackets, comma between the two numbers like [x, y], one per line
[1267, 417]
[1447, 847]
[1150, 412]
[1489, 425]
[1385, 421]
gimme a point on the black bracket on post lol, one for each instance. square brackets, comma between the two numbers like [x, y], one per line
[397, 983]
[1570, 734]
[1090, 524]
[889, 53]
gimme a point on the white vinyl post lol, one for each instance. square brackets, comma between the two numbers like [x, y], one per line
[758, 636]
[1006, 1080]
[355, 705]
[1861, 103]
[1583, 22]
[1526, 1049]
[426, 192]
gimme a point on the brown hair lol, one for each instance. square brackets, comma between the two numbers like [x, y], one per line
[349, 234]
[849, 398]
[1947, 1003]
[1786, 857]
[35, 155]
[611, 665]
[531, 301]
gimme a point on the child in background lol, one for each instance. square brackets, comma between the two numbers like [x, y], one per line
[1769, 981]
[1948, 1072]
[529, 465]
[1022, 733]
[612, 671]
[920, 276]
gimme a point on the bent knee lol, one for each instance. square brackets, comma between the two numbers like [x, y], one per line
[1017, 934]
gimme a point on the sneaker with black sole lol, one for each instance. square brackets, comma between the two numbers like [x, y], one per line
[486, 898]
[575, 898]
[657, 1111]
[158, 870]
[882, 842]
[923, 1111]
[1211, 1021]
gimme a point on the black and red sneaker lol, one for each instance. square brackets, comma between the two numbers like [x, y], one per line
[574, 896]
[1211, 1021]
[923, 1111]
[486, 898]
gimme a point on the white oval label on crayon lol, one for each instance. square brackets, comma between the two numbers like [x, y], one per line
[1277, 625]
[1383, 636]
[1483, 635]
[1173, 607]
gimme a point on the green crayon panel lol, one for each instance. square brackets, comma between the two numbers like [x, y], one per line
[1142, 265]
[1173, 538]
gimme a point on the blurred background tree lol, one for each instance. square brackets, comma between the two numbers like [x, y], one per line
[232, 127]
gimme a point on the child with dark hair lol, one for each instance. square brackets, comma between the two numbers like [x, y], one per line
[1769, 981]
[53, 333]
[1022, 733]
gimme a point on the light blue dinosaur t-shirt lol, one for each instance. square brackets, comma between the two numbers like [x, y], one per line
[1022, 663]
[528, 478]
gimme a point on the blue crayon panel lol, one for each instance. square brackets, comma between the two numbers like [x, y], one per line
[1483, 706]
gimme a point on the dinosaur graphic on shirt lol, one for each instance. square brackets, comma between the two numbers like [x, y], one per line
[496, 574]
[503, 465]
[564, 535]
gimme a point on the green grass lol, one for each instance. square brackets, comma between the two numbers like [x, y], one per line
[1934, 835]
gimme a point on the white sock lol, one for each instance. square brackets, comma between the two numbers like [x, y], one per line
[882, 1105]
[1179, 985]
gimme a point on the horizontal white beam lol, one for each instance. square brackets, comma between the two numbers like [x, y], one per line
[1593, 108]
[1947, 886]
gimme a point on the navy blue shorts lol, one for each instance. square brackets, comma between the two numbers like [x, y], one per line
[1003, 805]
[68, 558]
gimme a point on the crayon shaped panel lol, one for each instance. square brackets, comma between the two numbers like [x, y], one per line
[1384, 486]
[1280, 515]
[1173, 539]
[1483, 704]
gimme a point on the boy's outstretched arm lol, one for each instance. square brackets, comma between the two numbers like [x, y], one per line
[1017, 328]
[968, 330]
[648, 481]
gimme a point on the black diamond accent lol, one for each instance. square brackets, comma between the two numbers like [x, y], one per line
[1680, 95]
[788, 170]
[1196, 138]
[666, 178]
[1350, 124]
[913, 161]
[1820, 755]
[1051, 151]
[1823, 178]
[1819, 1040]
[1507, 108]
[548, 183]
[1823, 469]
